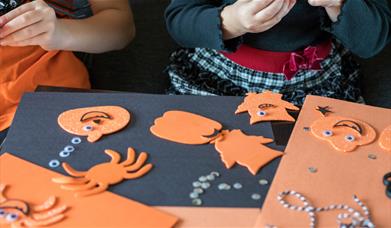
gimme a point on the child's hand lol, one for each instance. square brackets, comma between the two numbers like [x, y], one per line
[333, 7]
[253, 16]
[34, 23]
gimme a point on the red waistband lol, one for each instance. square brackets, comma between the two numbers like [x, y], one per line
[288, 63]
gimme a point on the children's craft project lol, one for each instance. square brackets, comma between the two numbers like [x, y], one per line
[18, 213]
[94, 122]
[266, 106]
[385, 139]
[344, 134]
[233, 145]
[98, 178]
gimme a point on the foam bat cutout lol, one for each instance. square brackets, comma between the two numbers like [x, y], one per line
[344, 134]
[385, 139]
[94, 122]
[266, 106]
[233, 146]
[17, 213]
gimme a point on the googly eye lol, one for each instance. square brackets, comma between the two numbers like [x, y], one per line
[54, 163]
[64, 154]
[69, 149]
[11, 217]
[2, 213]
[88, 128]
[327, 133]
[262, 113]
[76, 141]
[350, 138]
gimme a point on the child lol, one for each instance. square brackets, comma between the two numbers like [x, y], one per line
[294, 47]
[37, 39]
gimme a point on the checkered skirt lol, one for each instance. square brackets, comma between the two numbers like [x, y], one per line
[203, 71]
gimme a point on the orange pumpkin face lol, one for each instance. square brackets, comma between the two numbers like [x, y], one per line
[385, 139]
[185, 127]
[94, 122]
[266, 106]
[344, 134]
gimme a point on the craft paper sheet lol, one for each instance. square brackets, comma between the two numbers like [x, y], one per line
[339, 175]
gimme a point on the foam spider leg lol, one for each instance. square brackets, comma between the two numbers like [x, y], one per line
[115, 157]
[84, 187]
[31, 223]
[72, 171]
[49, 203]
[141, 172]
[100, 188]
[131, 157]
[69, 180]
[139, 163]
[49, 214]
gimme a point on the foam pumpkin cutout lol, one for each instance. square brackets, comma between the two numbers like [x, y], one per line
[98, 178]
[234, 146]
[385, 139]
[266, 106]
[17, 213]
[94, 122]
[344, 134]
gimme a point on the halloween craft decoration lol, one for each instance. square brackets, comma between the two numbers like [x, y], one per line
[357, 219]
[385, 139]
[18, 213]
[344, 134]
[94, 122]
[98, 178]
[266, 106]
[232, 145]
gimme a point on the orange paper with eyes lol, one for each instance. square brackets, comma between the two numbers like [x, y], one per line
[266, 106]
[98, 178]
[234, 146]
[94, 122]
[346, 133]
[385, 139]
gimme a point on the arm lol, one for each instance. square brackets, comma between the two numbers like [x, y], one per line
[110, 28]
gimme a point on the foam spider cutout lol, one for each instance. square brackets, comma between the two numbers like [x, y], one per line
[17, 213]
[232, 145]
[98, 178]
[385, 139]
[94, 122]
[343, 133]
[266, 106]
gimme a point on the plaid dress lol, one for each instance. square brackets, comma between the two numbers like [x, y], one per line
[203, 71]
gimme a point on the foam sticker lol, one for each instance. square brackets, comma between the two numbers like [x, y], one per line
[385, 139]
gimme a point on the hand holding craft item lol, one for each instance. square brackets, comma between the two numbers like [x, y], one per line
[18, 213]
[234, 146]
[98, 178]
[266, 106]
[344, 134]
[94, 122]
[385, 139]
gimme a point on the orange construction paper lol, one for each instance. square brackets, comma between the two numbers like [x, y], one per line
[266, 106]
[185, 127]
[339, 126]
[339, 176]
[236, 147]
[98, 178]
[94, 122]
[385, 139]
[22, 69]
[18, 213]
[34, 185]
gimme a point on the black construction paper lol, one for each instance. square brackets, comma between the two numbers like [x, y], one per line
[35, 136]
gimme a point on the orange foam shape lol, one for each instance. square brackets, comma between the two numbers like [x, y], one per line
[94, 122]
[248, 151]
[385, 139]
[185, 127]
[268, 102]
[337, 140]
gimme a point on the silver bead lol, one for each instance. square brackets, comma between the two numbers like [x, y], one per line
[54, 163]
[196, 184]
[202, 178]
[198, 190]
[238, 186]
[64, 154]
[205, 185]
[69, 149]
[263, 182]
[216, 174]
[76, 140]
[194, 195]
[196, 202]
[210, 177]
[224, 186]
[255, 196]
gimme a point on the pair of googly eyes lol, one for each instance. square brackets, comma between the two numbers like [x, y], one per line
[348, 138]
[262, 113]
[9, 217]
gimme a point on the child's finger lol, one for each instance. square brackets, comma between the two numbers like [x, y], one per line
[20, 22]
[271, 11]
[16, 12]
[277, 18]
[29, 42]
[258, 5]
[24, 34]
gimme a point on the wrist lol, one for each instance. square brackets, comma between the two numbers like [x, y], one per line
[229, 24]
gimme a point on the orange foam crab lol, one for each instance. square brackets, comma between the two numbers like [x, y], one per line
[98, 178]
[17, 213]
[266, 106]
[385, 139]
[234, 146]
[94, 122]
[344, 134]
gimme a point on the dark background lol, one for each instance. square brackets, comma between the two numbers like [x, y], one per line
[139, 67]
